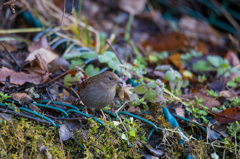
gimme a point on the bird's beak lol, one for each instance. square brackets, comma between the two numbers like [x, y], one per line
[119, 82]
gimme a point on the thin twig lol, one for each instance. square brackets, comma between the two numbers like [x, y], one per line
[66, 72]
[114, 51]
[24, 116]
[10, 54]
[66, 87]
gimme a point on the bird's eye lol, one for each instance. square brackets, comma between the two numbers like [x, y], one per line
[110, 78]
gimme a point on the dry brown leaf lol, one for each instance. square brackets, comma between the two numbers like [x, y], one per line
[66, 93]
[42, 43]
[172, 41]
[19, 96]
[34, 108]
[175, 59]
[230, 115]
[47, 55]
[201, 47]
[208, 101]
[20, 78]
[227, 94]
[232, 59]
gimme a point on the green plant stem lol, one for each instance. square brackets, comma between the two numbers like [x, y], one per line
[128, 28]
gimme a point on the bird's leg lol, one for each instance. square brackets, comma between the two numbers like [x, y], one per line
[86, 110]
[104, 117]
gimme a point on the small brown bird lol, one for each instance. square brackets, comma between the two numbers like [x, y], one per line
[99, 91]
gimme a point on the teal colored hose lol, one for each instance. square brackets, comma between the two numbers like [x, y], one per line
[86, 115]
[59, 103]
[140, 118]
[51, 107]
[39, 115]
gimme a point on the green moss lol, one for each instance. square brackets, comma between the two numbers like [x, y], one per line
[23, 139]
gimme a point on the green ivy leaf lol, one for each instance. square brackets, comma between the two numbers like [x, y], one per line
[150, 94]
[139, 89]
[76, 63]
[201, 66]
[88, 55]
[109, 54]
[216, 61]
[169, 76]
[103, 58]
[91, 71]
[68, 78]
[151, 84]
[112, 64]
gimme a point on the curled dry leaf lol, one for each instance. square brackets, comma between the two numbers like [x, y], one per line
[47, 55]
[229, 115]
[23, 98]
[20, 78]
[20, 96]
[42, 43]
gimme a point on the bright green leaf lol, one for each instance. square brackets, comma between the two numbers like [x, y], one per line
[103, 59]
[169, 76]
[68, 78]
[109, 54]
[216, 61]
[150, 94]
[139, 89]
[151, 84]
[88, 55]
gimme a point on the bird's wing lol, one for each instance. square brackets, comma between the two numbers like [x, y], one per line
[86, 82]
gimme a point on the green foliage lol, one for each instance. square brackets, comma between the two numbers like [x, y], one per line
[234, 129]
[212, 93]
[215, 63]
[91, 71]
[175, 79]
[77, 55]
[110, 58]
[153, 91]
[68, 78]
[3, 96]
[199, 111]
[202, 78]
[235, 101]
[110, 142]
[76, 63]
[201, 66]
[157, 57]
[139, 69]
[234, 82]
